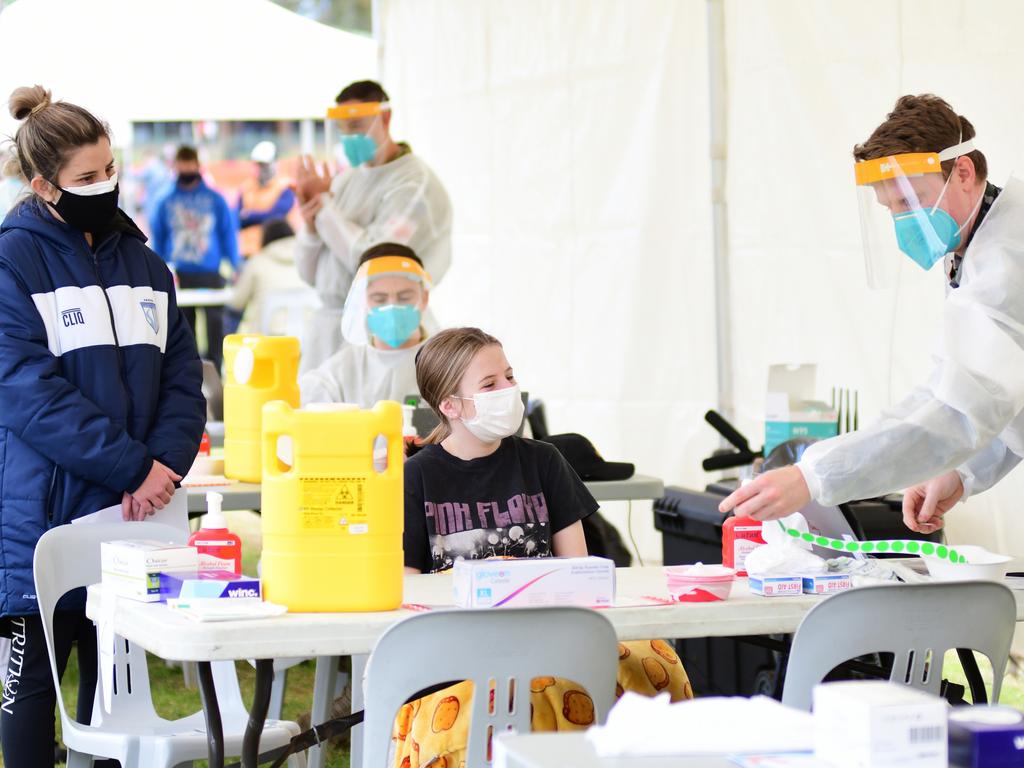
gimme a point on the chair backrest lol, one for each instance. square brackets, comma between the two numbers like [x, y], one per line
[506, 648]
[287, 313]
[213, 391]
[917, 623]
[68, 557]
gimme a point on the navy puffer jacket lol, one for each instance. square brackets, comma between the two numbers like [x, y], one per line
[99, 376]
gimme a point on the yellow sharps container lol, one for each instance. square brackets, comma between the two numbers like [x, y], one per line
[332, 515]
[258, 369]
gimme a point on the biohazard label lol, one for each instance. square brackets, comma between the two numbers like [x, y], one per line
[329, 502]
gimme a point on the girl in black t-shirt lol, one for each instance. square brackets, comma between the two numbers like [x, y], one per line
[476, 491]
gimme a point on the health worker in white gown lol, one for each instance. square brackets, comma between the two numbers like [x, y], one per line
[386, 195]
[924, 188]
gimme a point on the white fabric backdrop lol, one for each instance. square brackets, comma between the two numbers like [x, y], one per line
[572, 136]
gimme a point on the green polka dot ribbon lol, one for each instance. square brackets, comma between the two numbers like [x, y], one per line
[896, 546]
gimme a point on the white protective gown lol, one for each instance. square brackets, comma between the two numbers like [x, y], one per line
[362, 375]
[970, 413]
[401, 201]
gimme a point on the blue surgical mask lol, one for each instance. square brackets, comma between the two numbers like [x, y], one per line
[926, 235]
[393, 324]
[359, 148]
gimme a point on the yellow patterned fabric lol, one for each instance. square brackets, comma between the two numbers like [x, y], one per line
[433, 732]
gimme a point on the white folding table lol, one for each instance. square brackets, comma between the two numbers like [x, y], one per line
[169, 635]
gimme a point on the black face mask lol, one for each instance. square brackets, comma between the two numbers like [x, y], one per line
[93, 213]
[188, 179]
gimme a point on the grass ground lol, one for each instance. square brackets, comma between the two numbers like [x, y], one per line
[172, 699]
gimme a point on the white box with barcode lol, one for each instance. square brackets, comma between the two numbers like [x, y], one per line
[877, 724]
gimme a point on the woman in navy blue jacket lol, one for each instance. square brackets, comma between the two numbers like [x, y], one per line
[100, 386]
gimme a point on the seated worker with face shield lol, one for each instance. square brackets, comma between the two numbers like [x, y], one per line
[382, 325]
[925, 191]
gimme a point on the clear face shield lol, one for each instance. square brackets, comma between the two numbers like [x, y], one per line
[361, 125]
[903, 209]
[386, 301]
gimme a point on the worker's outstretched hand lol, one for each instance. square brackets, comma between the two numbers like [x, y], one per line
[311, 180]
[925, 504]
[770, 496]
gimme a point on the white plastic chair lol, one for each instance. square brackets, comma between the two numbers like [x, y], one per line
[287, 313]
[133, 733]
[917, 623]
[508, 647]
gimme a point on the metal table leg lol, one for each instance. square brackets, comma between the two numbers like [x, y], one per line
[211, 710]
[258, 713]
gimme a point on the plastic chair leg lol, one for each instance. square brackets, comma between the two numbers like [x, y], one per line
[277, 694]
[324, 684]
[78, 760]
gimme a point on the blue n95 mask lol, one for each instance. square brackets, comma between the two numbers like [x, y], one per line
[359, 148]
[393, 324]
[926, 235]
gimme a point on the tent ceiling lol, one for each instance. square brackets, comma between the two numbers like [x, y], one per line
[138, 60]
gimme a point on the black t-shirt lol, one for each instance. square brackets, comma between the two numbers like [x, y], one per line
[508, 504]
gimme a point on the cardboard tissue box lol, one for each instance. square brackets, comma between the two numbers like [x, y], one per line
[208, 584]
[512, 583]
[791, 410]
[132, 567]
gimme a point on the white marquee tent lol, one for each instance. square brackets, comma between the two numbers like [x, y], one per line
[574, 137]
[139, 60]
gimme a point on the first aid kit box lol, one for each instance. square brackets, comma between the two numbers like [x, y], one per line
[776, 586]
[790, 408]
[132, 567]
[869, 724]
[515, 583]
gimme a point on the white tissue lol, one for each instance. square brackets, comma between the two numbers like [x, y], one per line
[772, 532]
[638, 725]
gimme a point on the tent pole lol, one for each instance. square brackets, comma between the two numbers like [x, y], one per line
[377, 27]
[717, 86]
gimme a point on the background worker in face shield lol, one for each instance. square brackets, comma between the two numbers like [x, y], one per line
[383, 327]
[387, 195]
[962, 430]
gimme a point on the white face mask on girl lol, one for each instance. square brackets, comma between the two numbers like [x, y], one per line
[498, 414]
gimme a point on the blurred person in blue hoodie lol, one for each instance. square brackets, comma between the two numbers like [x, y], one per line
[194, 230]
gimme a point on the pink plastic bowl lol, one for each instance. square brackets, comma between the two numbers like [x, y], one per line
[710, 583]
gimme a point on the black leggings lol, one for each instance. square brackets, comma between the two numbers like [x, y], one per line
[27, 708]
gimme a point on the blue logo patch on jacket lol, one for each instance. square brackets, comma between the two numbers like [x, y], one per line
[149, 310]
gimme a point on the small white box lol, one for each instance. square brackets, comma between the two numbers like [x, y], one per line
[877, 724]
[133, 567]
[776, 586]
[587, 581]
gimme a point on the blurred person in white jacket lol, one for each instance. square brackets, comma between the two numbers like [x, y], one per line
[383, 328]
[269, 271]
[922, 179]
[388, 194]
[12, 183]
